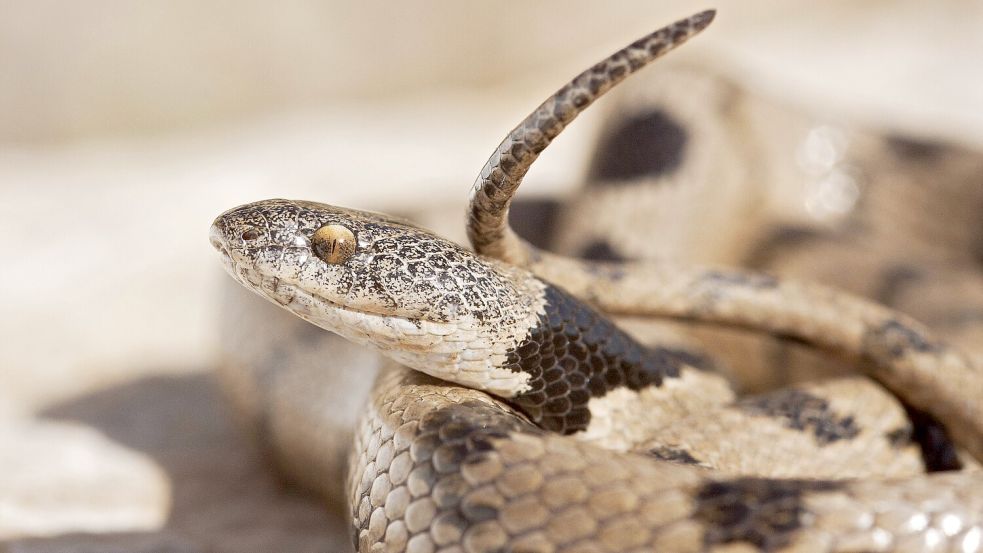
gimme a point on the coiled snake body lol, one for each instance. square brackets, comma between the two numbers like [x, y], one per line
[560, 432]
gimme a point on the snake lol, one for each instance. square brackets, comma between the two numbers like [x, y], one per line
[874, 211]
[516, 416]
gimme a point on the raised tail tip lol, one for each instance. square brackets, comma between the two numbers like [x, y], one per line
[702, 19]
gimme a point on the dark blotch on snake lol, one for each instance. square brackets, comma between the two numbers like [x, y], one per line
[803, 411]
[648, 144]
[764, 513]
[895, 339]
[674, 455]
[601, 250]
[899, 437]
[574, 354]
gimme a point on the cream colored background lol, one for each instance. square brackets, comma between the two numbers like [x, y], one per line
[125, 127]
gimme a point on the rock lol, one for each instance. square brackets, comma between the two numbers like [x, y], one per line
[64, 477]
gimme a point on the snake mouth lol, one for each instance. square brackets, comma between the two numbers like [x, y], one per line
[306, 304]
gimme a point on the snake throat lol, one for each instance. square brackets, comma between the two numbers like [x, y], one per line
[574, 355]
[440, 309]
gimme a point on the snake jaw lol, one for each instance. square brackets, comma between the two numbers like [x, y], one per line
[419, 299]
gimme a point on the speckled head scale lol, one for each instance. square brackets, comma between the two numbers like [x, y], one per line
[421, 299]
[355, 260]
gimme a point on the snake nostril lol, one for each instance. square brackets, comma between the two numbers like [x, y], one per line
[250, 234]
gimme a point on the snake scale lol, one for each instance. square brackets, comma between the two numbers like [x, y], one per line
[520, 418]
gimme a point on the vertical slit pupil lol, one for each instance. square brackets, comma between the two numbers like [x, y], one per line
[334, 243]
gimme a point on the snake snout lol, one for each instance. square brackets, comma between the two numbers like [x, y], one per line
[216, 235]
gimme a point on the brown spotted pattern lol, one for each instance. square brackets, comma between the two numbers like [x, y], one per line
[924, 372]
[441, 468]
[836, 428]
[801, 410]
[469, 473]
[574, 354]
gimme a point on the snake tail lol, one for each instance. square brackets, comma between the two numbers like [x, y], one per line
[487, 224]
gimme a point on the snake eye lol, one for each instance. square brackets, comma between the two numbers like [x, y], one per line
[334, 244]
[250, 234]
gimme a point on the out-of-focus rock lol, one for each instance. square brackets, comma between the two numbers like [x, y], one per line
[223, 497]
[63, 477]
[87, 543]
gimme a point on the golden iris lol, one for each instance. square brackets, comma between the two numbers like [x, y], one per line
[334, 244]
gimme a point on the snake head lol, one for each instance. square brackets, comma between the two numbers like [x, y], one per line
[351, 259]
[421, 299]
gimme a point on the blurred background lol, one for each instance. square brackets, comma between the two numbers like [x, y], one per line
[126, 127]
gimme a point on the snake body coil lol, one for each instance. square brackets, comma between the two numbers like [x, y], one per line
[440, 462]
[439, 467]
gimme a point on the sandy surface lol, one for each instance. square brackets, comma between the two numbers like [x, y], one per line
[123, 138]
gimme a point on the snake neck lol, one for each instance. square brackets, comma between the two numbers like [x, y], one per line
[439, 309]
[574, 355]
